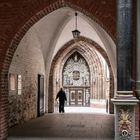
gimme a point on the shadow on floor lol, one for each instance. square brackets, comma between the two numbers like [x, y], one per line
[67, 126]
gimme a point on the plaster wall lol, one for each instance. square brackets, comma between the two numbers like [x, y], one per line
[27, 62]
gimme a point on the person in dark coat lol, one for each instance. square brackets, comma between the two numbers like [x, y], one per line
[62, 98]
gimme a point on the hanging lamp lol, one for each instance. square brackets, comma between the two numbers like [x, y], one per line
[76, 33]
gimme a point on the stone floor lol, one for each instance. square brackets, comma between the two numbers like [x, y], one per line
[67, 126]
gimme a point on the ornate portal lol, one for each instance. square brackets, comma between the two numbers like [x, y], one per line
[76, 80]
[76, 71]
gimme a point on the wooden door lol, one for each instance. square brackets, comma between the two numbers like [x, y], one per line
[79, 97]
[40, 101]
[76, 97]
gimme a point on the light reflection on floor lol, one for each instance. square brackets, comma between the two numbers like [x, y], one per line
[83, 110]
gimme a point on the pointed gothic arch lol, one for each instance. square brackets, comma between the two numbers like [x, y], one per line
[14, 42]
[76, 80]
[67, 50]
[28, 24]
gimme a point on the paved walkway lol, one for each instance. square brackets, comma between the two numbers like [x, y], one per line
[67, 126]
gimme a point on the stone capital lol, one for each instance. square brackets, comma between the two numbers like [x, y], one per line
[125, 98]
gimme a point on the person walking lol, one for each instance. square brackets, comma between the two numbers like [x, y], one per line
[62, 98]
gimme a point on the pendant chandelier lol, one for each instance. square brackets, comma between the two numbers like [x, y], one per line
[75, 32]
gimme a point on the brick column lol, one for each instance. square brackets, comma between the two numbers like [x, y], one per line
[3, 106]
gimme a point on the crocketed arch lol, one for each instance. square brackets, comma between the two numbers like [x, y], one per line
[69, 46]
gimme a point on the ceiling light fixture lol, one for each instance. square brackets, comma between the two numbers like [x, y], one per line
[75, 32]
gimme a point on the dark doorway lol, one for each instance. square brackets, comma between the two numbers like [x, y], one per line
[40, 102]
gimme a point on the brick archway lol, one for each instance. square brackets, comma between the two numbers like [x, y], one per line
[29, 22]
[61, 51]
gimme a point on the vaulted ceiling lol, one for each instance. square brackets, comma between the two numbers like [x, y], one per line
[55, 29]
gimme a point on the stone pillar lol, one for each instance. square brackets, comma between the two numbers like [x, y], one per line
[124, 100]
[124, 43]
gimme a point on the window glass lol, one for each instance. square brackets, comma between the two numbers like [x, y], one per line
[19, 84]
[12, 82]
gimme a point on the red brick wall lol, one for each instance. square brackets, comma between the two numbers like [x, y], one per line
[17, 16]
